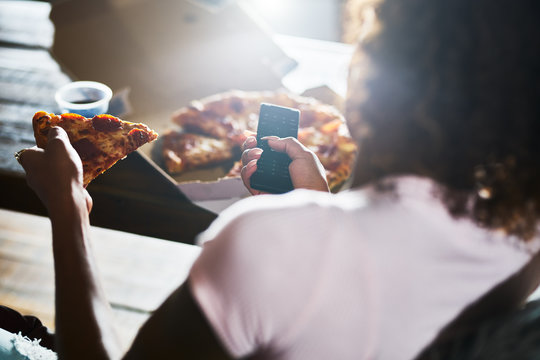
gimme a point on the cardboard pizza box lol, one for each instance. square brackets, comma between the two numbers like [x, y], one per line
[163, 54]
[167, 52]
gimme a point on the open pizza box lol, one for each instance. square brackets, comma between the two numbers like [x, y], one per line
[163, 54]
[158, 56]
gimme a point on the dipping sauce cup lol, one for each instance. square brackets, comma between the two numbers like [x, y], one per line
[86, 98]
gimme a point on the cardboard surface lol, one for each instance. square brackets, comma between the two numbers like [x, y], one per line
[168, 52]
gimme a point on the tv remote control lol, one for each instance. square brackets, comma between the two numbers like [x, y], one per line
[272, 174]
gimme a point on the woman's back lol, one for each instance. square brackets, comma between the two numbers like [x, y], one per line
[366, 272]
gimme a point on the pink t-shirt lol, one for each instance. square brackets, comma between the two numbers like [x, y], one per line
[357, 275]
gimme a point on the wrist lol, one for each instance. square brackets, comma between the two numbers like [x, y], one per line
[68, 201]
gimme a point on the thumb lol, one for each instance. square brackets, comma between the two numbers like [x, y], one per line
[58, 143]
[57, 133]
[291, 146]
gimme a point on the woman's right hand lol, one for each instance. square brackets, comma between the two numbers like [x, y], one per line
[305, 169]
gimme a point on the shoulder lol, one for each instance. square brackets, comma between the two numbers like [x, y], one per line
[259, 215]
[303, 215]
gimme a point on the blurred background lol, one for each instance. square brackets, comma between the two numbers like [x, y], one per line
[316, 19]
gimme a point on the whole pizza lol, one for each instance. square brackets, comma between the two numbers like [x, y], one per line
[212, 130]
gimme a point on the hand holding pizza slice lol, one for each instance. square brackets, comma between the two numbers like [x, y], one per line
[100, 141]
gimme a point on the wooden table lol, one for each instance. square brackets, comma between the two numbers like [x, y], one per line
[139, 272]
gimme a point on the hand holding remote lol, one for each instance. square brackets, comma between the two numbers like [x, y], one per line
[305, 169]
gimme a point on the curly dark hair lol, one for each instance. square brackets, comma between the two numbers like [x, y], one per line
[452, 92]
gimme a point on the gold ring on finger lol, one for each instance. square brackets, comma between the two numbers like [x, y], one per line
[18, 155]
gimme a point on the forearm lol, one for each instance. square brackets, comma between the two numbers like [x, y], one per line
[83, 316]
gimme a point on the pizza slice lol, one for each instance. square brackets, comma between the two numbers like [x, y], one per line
[183, 151]
[100, 141]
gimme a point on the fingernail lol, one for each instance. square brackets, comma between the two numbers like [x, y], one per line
[256, 151]
[270, 138]
[251, 164]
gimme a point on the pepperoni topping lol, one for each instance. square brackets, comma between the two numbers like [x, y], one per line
[237, 105]
[139, 137]
[208, 114]
[86, 149]
[106, 123]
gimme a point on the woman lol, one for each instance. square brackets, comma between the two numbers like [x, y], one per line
[438, 232]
